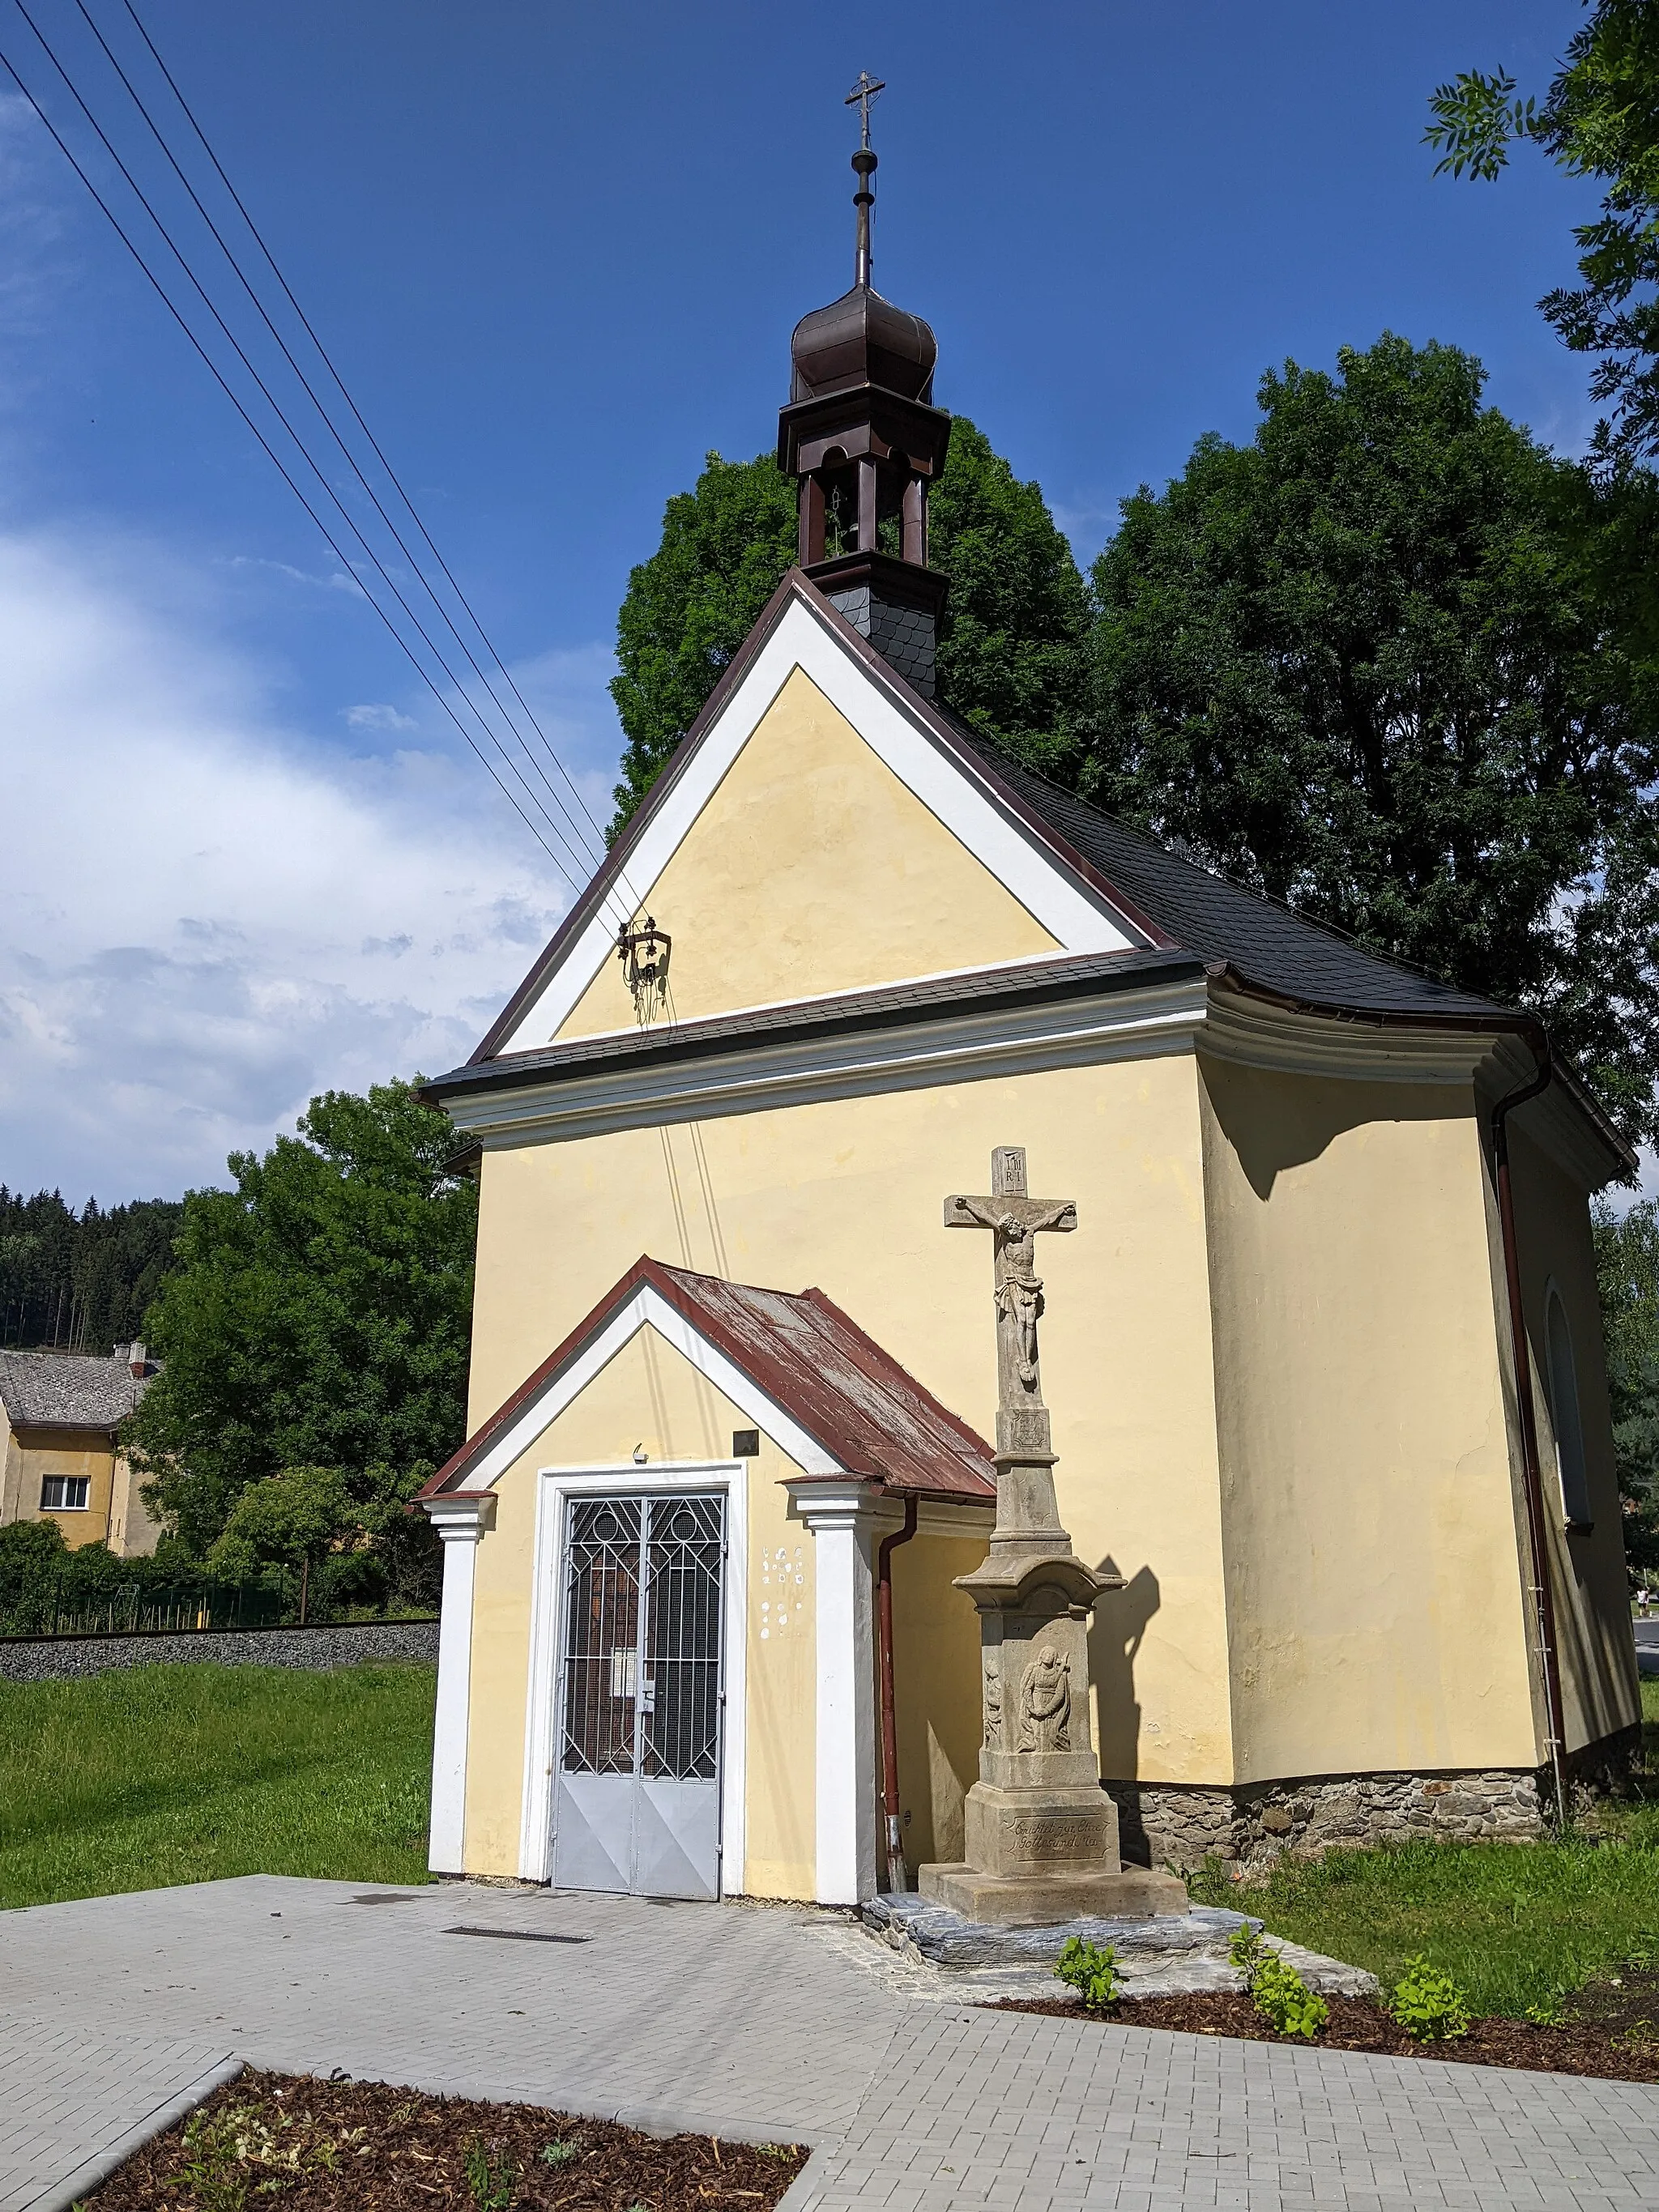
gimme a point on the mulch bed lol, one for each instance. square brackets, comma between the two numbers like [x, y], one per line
[298, 2144]
[1612, 2030]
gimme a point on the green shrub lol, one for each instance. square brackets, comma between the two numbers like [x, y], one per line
[1246, 1949]
[1090, 1970]
[1277, 1991]
[1284, 1999]
[1428, 2003]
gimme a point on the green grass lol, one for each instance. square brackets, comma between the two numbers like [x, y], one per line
[153, 1775]
[1516, 1925]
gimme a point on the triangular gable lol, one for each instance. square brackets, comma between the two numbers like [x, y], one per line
[794, 1364]
[1064, 905]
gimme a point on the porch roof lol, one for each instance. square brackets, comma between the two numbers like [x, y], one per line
[867, 1414]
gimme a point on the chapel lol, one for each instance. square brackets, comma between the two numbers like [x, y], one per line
[771, 1557]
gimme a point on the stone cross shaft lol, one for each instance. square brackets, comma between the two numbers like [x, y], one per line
[1016, 1219]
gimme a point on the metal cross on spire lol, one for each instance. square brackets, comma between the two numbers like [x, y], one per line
[860, 97]
[865, 162]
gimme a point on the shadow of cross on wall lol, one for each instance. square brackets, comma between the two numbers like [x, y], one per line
[1115, 1635]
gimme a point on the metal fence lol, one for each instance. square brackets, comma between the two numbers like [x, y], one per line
[132, 1610]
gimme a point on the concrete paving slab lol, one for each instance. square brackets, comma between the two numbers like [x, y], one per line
[772, 2022]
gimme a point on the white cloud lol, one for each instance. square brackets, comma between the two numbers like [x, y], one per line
[380, 717]
[204, 917]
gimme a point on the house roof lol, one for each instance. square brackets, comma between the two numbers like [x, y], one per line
[866, 1414]
[68, 1389]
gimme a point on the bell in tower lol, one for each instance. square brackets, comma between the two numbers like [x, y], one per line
[862, 434]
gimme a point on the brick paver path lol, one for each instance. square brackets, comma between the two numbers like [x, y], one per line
[762, 2022]
[69, 2101]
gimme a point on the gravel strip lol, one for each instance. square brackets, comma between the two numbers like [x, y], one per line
[67, 1658]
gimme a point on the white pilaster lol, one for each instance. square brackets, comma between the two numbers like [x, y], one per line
[840, 1517]
[460, 1520]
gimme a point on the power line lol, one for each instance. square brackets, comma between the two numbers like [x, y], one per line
[349, 457]
[582, 860]
[224, 385]
[327, 361]
[568, 832]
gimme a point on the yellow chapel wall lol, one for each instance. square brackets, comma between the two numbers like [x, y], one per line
[848, 1194]
[1372, 1564]
[650, 1396]
[1601, 1694]
[863, 885]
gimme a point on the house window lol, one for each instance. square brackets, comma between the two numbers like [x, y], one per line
[64, 1493]
[1564, 1414]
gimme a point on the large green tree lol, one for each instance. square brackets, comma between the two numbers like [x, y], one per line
[1599, 118]
[1627, 1271]
[319, 1315]
[1010, 644]
[1376, 664]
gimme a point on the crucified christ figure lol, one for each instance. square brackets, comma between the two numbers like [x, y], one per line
[1015, 1220]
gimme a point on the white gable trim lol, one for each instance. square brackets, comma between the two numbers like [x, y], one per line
[1078, 918]
[646, 1308]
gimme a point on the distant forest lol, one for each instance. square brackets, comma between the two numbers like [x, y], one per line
[80, 1283]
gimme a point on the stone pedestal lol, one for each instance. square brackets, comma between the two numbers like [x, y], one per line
[1041, 1835]
[1040, 1841]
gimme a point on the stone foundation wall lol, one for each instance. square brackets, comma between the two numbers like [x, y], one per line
[1182, 1825]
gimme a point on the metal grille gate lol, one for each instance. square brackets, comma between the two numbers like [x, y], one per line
[638, 1801]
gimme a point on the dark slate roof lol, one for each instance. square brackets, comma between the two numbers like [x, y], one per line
[864, 1410]
[68, 1389]
[1285, 952]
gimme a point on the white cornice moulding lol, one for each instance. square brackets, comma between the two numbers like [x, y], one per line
[779, 1071]
[1077, 917]
[460, 1520]
[1260, 1034]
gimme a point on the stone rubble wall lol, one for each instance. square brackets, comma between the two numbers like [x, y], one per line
[1181, 1827]
[66, 1658]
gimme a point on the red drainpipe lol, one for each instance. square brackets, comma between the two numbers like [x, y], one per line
[1533, 1483]
[889, 1789]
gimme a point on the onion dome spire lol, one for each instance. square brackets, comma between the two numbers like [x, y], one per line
[862, 434]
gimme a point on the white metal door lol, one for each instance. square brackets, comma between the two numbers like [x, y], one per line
[637, 1806]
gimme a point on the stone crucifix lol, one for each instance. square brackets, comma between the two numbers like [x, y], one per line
[1016, 1219]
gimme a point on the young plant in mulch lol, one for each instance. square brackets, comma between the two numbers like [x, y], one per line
[1092, 1970]
[1277, 1990]
[1429, 2005]
[296, 2144]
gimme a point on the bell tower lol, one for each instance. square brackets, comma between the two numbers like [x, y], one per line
[863, 436]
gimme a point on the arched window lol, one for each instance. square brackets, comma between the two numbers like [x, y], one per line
[1564, 1413]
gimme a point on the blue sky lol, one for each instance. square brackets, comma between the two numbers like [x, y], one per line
[557, 252]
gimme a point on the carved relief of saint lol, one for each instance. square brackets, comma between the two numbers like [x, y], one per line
[1045, 1702]
[992, 1702]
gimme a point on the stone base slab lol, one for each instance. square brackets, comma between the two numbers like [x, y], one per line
[1162, 1954]
[1048, 1899]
